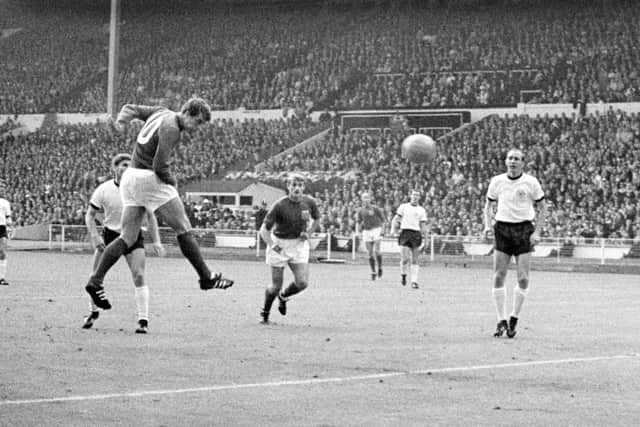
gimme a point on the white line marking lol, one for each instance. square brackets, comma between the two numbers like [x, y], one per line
[313, 381]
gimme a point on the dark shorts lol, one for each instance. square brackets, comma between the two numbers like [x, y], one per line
[410, 238]
[513, 238]
[109, 236]
[3, 232]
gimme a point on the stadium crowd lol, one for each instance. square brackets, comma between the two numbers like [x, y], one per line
[415, 55]
[308, 57]
[51, 172]
[589, 168]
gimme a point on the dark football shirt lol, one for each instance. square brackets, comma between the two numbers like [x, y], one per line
[286, 216]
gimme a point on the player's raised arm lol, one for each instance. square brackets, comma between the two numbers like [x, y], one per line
[131, 111]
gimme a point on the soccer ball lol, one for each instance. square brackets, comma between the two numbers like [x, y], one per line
[419, 148]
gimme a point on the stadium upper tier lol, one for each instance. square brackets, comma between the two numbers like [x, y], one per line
[416, 55]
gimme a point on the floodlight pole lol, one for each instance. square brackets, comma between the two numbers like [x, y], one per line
[114, 51]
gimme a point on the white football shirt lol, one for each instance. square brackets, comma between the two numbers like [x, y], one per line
[5, 211]
[106, 199]
[411, 216]
[515, 197]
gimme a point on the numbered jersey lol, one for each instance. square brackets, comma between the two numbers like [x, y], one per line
[155, 141]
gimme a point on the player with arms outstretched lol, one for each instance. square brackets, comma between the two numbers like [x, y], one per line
[5, 223]
[286, 230]
[516, 230]
[149, 185]
[106, 201]
[371, 218]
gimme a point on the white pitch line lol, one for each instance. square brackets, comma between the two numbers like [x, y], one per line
[314, 381]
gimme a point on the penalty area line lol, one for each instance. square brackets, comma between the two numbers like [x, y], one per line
[314, 381]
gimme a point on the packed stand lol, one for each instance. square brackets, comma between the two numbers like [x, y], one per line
[589, 169]
[304, 57]
[51, 173]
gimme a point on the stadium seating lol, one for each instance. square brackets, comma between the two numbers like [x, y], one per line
[359, 57]
[52, 172]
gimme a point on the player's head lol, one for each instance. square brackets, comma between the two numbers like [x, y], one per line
[515, 162]
[295, 185]
[119, 164]
[366, 198]
[414, 197]
[195, 112]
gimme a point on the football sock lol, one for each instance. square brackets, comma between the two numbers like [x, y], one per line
[110, 256]
[499, 297]
[191, 251]
[269, 296]
[372, 263]
[3, 268]
[519, 295]
[142, 302]
[414, 273]
[379, 257]
[292, 289]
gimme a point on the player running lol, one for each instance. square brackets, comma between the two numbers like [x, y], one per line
[412, 220]
[370, 220]
[286, 230]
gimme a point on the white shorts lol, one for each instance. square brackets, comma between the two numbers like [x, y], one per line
[373, 235]
[142, 187]
[294, 251]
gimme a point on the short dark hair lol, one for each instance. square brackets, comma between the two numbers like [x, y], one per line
[119, 158]
[195, 107]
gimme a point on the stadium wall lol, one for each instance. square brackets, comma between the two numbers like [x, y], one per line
[31, 122]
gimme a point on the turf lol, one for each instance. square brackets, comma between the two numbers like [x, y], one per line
[350, 352]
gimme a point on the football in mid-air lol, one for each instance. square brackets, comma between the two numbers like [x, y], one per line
[419, 148]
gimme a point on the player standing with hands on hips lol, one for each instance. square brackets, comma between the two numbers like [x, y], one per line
[412, 220]
[286, 230]
[516, 230]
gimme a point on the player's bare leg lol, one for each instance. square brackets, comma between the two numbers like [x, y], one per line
[500, 266]
[523, 262]
[272, 291]
[131, 222]
[300, 282]
[173, 213]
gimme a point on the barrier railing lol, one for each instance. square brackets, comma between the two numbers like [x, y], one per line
[327, 246]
